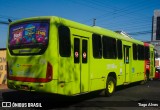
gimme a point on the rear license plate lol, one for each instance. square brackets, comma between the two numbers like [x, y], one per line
[24, 87]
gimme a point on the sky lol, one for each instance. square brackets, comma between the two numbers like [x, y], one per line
[131, 16]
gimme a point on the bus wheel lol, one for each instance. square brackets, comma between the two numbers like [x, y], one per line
[110, 86]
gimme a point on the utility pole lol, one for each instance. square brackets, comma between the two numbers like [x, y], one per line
[94, 21]
[3, 22]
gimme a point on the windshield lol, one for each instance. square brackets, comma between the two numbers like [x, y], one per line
[29, 33]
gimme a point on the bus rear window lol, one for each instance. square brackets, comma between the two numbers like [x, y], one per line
[31, 34]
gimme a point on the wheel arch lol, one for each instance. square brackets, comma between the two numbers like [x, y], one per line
[113, 74]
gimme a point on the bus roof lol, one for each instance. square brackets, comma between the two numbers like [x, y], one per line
[73, 24]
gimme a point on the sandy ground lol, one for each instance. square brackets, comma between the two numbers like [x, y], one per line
[3, 86]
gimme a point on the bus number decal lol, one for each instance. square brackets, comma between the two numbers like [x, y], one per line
[111, 66]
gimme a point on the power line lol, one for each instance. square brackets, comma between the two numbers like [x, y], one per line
[140, 32]
[8, 17]
[120, 10]
[4, 22]
[130, 11]
[127, 13]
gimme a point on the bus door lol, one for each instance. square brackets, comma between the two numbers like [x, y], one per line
[127, 63]
[152, 64]
[81, 60]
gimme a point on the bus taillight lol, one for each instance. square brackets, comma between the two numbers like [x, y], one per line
[49, 73]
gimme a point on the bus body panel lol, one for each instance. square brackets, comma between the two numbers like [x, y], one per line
[70, 76]
[152, 62]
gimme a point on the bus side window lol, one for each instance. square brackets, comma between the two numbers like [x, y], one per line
[119, 49]
[140, 52]
[109, 47]
[146, 53]
[64, 41]
[134, 52]
[97, 46]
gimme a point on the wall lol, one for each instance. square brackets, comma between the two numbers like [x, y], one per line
[3, 67]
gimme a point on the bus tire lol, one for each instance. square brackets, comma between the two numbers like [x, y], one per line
[110, 86]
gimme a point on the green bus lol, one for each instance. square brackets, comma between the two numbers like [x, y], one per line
[55, 55]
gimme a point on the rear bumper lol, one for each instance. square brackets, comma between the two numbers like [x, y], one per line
[49, 87]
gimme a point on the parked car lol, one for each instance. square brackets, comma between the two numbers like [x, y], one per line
[157, 74]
